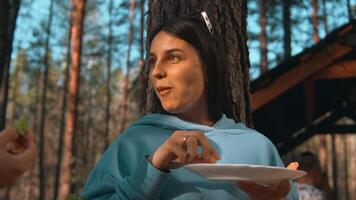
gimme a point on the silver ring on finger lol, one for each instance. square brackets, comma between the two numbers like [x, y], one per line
[185, 137]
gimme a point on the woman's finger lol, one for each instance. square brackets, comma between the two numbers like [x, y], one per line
[192, 148]
[180, 154]
[204, 143]
[293, 165]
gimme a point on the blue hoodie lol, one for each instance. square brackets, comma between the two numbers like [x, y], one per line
[123, 172]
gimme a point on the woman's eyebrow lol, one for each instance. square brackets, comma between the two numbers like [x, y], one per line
[167, 51]
[173, 50]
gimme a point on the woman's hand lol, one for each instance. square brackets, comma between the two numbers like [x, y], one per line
[182, 148]
[15, 163]
[272, 192]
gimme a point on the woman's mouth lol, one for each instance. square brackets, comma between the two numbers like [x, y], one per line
[164, 91]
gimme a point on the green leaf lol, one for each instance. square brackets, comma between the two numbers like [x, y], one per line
[21, 126]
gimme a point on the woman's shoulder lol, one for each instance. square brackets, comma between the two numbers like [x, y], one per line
[139, 131]
[255, 135]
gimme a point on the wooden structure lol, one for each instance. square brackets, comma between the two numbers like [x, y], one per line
[308, 93]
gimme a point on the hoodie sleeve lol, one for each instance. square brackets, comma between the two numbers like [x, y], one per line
[124, 173]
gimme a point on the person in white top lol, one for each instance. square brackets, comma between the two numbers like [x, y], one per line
[313, 186]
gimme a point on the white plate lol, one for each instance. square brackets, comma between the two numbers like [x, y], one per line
[240, 172]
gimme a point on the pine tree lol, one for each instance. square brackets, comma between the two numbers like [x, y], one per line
[43, 103]
[124, 100]
[78, 10]
[8, 14]
[287, 29]
[263, 36]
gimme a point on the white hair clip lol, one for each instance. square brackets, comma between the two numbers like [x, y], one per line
[207, 22]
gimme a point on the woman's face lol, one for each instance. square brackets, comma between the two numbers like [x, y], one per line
[177, 74]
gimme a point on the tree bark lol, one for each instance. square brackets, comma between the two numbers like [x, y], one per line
[229, 19]
[141, 61]
[325, 18]
[349, 10]
[315, 22]
[8, 14]
[263, 37]
[43, 111]
[108, 77]
[335, 165]
[286, 29]
[15, 79]
[346, 166]
[123, 102]
[78, 11]
[63, 115]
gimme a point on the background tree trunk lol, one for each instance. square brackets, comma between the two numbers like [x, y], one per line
[8, 14]
[325, 17]
[63, 116]
[349, 9]
[315, 22]
[346, 166]
[229, 22]
[263, 36]
[141, 61]
[43, 112]
[286, 29]
[78, 10]
[123, 102]
[108, 77]
[335, 165]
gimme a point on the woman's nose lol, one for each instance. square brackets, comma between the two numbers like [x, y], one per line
[158, 71]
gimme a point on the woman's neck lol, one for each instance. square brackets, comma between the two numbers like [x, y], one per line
[201, 117]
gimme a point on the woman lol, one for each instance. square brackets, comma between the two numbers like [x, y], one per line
[186, 70]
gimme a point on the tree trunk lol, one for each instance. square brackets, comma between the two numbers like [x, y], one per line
[4, 93]
[15, 87]
[325, 18]
[43, 111]
[349, 10]
[8, 15]
[286, 28]
[346, 167]
[78, 10]
[108, 78]
[63, 115]
[141, 61]
[323, 157]
[335, 165]
[263, 37]
[123, 102]
[315, 22]
[88, 155]
[229, 19]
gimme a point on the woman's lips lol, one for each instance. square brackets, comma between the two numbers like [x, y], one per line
[164, 92]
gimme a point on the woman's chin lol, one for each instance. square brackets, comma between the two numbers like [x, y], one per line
[172, 109]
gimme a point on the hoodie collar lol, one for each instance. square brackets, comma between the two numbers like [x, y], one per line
[175, 123]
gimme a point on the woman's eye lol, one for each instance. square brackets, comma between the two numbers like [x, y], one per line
[151, 62]
[174, 59]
